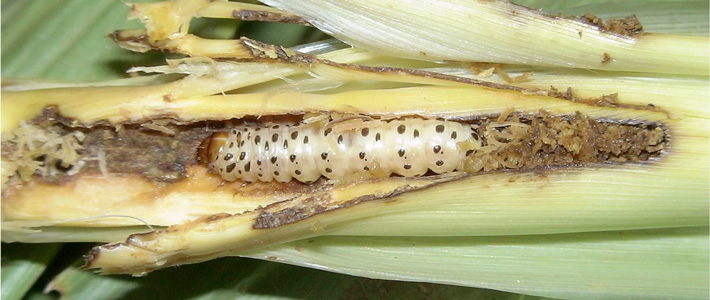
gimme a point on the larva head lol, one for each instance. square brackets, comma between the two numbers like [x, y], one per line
[211, 146]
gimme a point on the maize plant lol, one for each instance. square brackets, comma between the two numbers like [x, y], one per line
[479, 144]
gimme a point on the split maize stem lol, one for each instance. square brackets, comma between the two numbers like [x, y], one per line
[551, 156]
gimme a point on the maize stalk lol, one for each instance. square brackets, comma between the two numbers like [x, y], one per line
[371, 207]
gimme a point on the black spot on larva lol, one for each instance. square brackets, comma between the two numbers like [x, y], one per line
[305, 139]
[365, 131]
[469, 152]
[453, 135]
[266, 146]
[298, 172]
[273, 159]
[416, 133]
[221, 169]
[340, 139]
[260, 174]
[276, 173]
[366, 168]
[231, 144]
[294, 135]
[328, 131]
[378, 137]
[247, 167]
[328, 170]
[239, 137]
[285, 144]
[275, 127]
[440, 163]
[242, 144]
[324, 155]
[258, 162]
[234, 131]
[230, 167]
[275, 137]
[474, 135]
[257, 139]
[362, 155]
[401, 129]
[242, 155]
[400, 152]
[292, 158]
[407, 166]
[228, 156]
[437, 148]
[217, 157]
[239, 171]
[258, 129]
[440, 128]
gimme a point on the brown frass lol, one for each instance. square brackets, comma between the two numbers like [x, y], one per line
[542, 140]
[155, 155]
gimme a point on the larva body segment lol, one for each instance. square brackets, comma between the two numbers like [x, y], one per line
[408, 147]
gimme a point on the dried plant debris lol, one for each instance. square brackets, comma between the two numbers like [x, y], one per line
[609, 100]
[268, 16]
[628, 26]
[47, 150]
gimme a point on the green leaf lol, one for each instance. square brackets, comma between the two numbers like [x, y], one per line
[22, 265]
[237, 278]
[637, 264]
[66, 40]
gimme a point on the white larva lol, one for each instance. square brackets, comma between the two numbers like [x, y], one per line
[408, 147]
